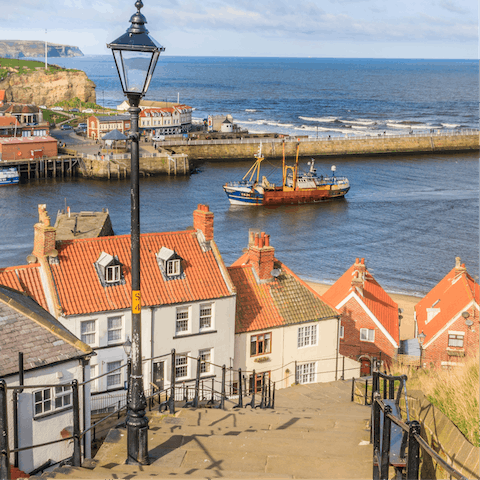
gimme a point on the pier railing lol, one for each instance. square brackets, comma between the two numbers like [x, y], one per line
[397, 443]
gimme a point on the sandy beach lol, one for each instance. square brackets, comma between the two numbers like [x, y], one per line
[405, 302]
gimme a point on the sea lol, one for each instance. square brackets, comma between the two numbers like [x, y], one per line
[409, 216]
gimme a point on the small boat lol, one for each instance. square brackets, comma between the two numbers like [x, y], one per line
[9, 175]
[296, 188]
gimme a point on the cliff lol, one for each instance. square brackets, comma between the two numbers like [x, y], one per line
[25, 48]
[48, 87]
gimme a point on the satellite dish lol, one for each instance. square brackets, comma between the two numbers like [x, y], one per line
[468, 323]
[275, 272]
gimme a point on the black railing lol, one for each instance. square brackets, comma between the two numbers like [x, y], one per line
[396, 443]
[210, 388]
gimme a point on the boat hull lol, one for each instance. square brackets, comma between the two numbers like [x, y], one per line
[280, 197]
[9, 176]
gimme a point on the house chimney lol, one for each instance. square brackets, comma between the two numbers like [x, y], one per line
[203, 220]
[44, 235]
[261, 256]
[358, 281]
[360, 265]
[459, 266]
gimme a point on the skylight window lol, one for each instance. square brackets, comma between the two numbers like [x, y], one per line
[170, 264]
[109, 270]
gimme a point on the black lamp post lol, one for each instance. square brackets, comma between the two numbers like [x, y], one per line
[136, 55]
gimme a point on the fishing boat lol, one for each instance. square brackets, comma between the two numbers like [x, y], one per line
[296, 187]
[9, 175]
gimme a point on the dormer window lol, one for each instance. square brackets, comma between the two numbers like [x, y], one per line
[173, 267]
[170, 264]
[112, 274]
[109, 270]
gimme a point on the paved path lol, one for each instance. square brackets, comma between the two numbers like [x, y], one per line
[314, 432]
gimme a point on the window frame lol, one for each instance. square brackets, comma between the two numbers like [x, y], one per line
[205, 364]
[306, 373]
[201, 317]
[458, 337]
[367, 339]
[117, 274]
[182, 365]
[262, 342]
[173, 268]
[53, 396]
[115, 329]
[183, 331]
[114, 373]
[309, 339]
[94, 332]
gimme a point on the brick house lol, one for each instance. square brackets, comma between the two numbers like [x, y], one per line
[448, 316]
[21, 148]
[370, 323]
[188, 299]
[97, 127]
[283, 328]
[10, 127]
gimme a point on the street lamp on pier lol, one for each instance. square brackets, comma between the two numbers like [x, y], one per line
[136, 55]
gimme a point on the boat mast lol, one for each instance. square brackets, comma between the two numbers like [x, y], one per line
[284, 176]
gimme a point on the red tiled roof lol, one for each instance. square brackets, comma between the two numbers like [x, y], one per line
[284, 300]
[80, 290]
[2, 95]
[374, 296]
[25, 279]
[8, 121]
[454, 292]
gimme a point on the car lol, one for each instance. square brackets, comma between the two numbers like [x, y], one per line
[66, 127]
[75, 110]
[57, 109]
[82, 125]
[158, 138]
[88, 110]
[43, 107]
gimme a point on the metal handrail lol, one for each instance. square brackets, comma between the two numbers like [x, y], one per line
[426, 447]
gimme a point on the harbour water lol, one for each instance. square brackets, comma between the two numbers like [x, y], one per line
[409, 216]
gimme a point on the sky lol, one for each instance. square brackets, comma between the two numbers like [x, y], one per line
[258, 28]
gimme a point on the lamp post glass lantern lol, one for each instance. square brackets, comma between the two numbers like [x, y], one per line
[136, 54]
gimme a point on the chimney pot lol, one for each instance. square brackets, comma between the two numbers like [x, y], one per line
[267, 240]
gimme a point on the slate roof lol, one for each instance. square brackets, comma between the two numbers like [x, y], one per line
[80, 290]
[114, 135]
[285, 300]
[26, 327]
[113, 118]
[25, 279]
[454, 292]
[27, 140]
[374, 296]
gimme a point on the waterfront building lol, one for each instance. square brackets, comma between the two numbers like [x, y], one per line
[124, 106]
[97, 127]
[370, 318]
[31, 147]
[188, 299]
[51, 356]
[448, 317]
[165, 121]
[25, 114]
[10, 127]
[283, 328]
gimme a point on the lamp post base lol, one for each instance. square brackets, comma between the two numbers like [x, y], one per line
[137, 440]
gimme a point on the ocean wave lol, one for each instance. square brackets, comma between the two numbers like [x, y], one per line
[359, 122]
[450, 125]
[250, 110]
[405, 125]
[322, 129]
[319, 119]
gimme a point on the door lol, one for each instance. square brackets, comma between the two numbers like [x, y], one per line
[158, 374]
[365, 367]
[258, 382]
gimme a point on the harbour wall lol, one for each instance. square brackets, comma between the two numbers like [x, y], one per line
[364, 146]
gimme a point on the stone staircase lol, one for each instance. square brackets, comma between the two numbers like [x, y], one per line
[314, 432]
